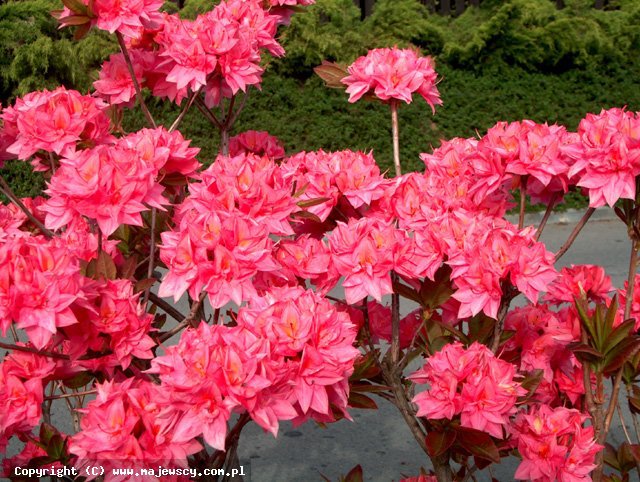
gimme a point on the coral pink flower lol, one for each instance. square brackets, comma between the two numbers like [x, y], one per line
[610, 157]
[21, 402]
[56, 122]
[577, 281]
[127, 17]
[132, 421]
[472, 383]
[111, 184]
[363, 252]
[38, 283]
[115, 84]
[260, 143]
[555, 445]
[392, 73]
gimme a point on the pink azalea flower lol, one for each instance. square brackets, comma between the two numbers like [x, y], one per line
[555, 445]
[472, 383]
[260, 143]
[392, 73]
[55, 122]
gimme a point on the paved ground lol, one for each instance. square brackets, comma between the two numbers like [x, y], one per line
[379, 440]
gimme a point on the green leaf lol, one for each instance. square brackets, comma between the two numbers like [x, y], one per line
[439, 442]
[621, 332]
[79, 380]
[585, 353]
[587, 322]
[57, 447]
[76, 6]
[620, 355]
[332, 74]
[313, 202]
[355, 475]
[364, 387]
[143, 284]
[104, 267]
[128, 269]
[307, 215]
[357, 400]
[74, 20]
[611, 456]
[479, 444]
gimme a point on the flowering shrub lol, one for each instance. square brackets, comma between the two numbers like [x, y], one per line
[301, 251]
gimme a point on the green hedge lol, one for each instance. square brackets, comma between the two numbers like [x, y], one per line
[488, 74]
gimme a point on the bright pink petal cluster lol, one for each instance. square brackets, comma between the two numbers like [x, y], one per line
[115, 84]
[39, 280]
[133, 421]
[472, 383]
[364, 252]
[289, 357]
[555, 445]
[609, 159]
[465, 173]
[21, 396]
[393, 74]
[331, 175]
[219, 52]
[492, 251]
[260, 143]
[112, 320]
[58, 121]
[531, 149]
[222, 236]
[541, 342]
[111, 184]
[578, 281]
[127, 17]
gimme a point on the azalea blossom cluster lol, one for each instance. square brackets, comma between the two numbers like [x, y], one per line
[609, 156]
[113, 183]
[59, 121]
[288, 357]
[219, 53]
[223, 230]
[393, 74]
[554, 445]
[22, 380]
[133, 420]
[472, 383]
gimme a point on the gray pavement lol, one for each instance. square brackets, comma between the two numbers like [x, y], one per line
[378, 439]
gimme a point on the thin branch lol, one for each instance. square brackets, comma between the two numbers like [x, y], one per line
[523, 201]
[234, 116]
[71, 395]
[6, 190]
[509, 293]
[136, 85]
[52, 163]
[188, 321]
[28, 349]
[395, 137]
[470, 472]
[152, 254]
[546, 216]
[207, 113]
[166, 307]
[184, 111]
[623, 424]
[574, 234]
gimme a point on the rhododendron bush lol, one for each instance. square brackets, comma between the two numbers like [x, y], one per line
[293, 266]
